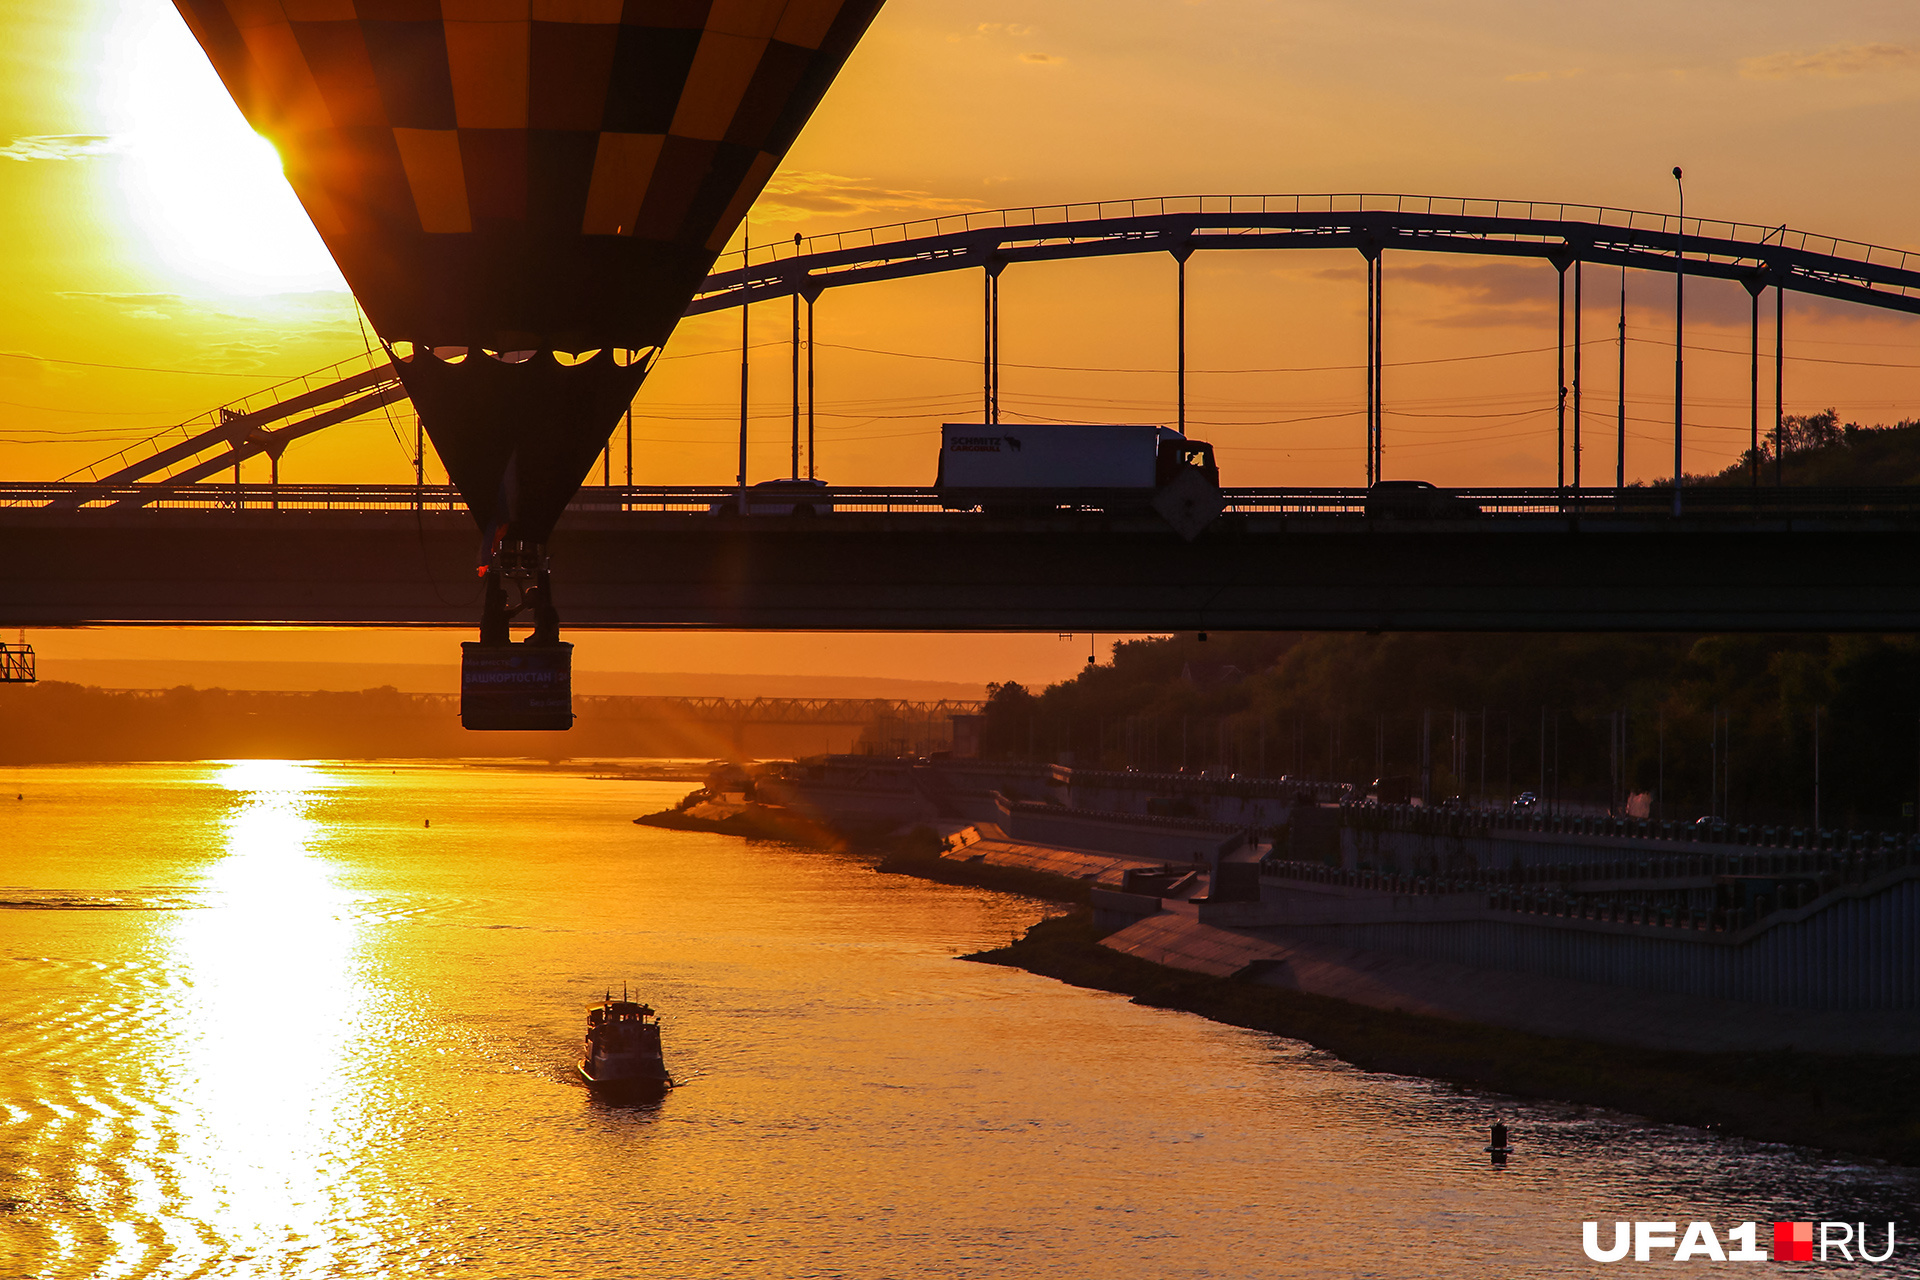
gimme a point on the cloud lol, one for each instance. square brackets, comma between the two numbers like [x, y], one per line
[239, 356]
[1833, 62]
[309, 315]
[62, 146]
[1003, 29]
[133, 306]
[1538, 77]
[105, 296]
[1042, 59]
[1473, 294]
[804, 195]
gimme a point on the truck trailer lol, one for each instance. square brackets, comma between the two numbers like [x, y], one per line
[1022, 466]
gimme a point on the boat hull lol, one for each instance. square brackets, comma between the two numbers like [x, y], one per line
[647, 1082]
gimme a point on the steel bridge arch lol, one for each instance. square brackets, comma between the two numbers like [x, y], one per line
[1756, 256]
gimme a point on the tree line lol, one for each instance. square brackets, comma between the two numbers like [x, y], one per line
[1740, 727]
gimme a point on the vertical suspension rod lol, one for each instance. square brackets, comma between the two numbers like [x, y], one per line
[1753, 383]
[1180, 340]
[745, 260]
[1779, 383]
[993, 305]
[1373, 337]
[1577, 264]
[794, 351]
[986, 345]
[1560, 378]
[1620, 404]
[1679, 335]
[810, 468]
[1379, 362]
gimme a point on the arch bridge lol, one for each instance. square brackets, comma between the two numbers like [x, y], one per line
[144, 537]
[1566, 236]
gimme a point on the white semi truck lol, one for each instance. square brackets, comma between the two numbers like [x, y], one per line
[1031, 465]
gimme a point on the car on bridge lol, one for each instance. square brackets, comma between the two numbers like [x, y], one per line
[791, 497]
[1416, 500]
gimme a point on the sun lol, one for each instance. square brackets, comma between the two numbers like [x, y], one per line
[207, 191]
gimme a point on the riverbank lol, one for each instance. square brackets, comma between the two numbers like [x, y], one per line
[914, 852]
[1861, 1104]
[1867, 1105]
[749, 822]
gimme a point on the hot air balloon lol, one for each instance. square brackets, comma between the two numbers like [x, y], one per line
[509, 186]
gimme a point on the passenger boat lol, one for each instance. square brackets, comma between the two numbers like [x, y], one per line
[623, 1048]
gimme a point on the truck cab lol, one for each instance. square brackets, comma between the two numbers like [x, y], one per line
[1178, 452]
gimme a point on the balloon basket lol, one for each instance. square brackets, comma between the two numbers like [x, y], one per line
[516, 686]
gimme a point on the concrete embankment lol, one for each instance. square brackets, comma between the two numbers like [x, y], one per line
[1627, 947]
[1862, 1104]
[1530, 1002]
[1197, 914]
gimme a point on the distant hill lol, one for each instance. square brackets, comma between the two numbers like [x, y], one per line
[58, 722]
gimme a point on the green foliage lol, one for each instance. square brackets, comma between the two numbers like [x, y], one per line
[1820, 450]
[1714, 723]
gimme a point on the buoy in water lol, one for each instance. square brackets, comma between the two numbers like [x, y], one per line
[427, 823]
[1499, 1147]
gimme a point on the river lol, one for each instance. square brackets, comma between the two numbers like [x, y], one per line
[318, 1019]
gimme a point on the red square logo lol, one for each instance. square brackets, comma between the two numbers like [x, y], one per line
[1793, 1242]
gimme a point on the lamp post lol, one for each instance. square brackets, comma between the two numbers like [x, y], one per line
[1679, 331]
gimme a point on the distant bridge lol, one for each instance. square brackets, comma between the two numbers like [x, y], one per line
[835, 712]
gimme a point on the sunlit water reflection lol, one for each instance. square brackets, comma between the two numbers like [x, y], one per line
[262, 1020]
[274, 1047]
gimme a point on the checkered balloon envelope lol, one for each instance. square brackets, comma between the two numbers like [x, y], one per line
[503, 180]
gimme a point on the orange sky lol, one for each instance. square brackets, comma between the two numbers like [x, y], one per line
[141, 225]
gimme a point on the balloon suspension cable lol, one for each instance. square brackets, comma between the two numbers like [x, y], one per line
[519, 569]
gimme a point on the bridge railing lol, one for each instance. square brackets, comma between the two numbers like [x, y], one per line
[206, 428]
[214, 496]
[1329, 203]
[722, 500]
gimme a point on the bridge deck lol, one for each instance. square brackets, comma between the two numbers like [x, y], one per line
[1733, 563]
